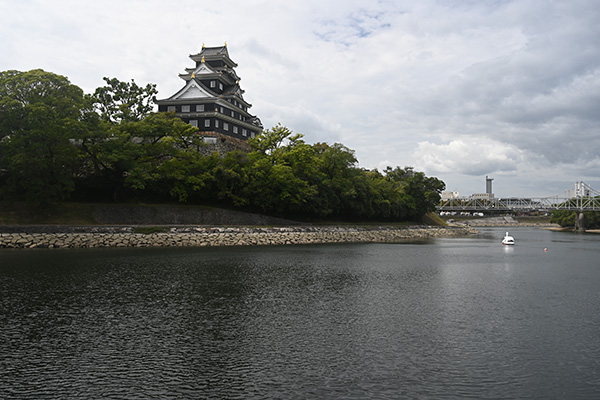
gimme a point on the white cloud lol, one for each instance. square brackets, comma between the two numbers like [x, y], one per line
[459, 89]
[472, 157]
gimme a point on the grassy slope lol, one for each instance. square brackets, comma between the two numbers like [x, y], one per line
[82, 214]
[65, 214]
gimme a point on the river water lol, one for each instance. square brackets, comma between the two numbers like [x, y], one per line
[439, 319]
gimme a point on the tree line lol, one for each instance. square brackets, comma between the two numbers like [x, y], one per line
[59, 144]
[566, 218]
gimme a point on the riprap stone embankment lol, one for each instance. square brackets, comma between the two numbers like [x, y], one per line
[81, 237]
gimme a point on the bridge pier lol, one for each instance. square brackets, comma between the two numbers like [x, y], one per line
[579, 221]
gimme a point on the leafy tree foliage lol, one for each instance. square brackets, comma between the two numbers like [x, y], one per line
[110, 145]
[566, 218]
[130, 155]
[563, 217]
[124, 101]
[39, 114]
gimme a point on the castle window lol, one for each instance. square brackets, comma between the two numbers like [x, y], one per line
[185, 108]
[199, 107]
[194, 123]
[216, 123]
[235, 129]
[225, 126]
[220, 86]
[213, 84]
[171, 108]
[207, 123]
[244, 132]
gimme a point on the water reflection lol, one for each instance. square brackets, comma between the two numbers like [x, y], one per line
[453, 318]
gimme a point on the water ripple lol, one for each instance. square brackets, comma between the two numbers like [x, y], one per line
[450, 319]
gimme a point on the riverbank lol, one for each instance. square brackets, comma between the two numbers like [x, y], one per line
[505, 221]
[190, 236]
[562, 229]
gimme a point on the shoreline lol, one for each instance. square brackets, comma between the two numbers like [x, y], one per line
[504, 221]
[561, 229]
[202, 236]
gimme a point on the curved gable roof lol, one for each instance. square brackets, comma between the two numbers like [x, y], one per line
[193, 90]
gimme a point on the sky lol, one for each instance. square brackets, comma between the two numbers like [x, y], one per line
[457, 89]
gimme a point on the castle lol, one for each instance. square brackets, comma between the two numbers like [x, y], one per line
[212, 99]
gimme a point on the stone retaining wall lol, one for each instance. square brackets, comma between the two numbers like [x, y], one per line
[203, 236]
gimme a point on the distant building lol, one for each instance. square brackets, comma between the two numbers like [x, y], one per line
[450, 195]
[482, 196]
[212, 99]
[488, 195]
[488, 187]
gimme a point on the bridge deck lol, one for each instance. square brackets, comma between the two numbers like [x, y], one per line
[521, 204]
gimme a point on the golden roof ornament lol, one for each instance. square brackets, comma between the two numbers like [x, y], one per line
[202, 61]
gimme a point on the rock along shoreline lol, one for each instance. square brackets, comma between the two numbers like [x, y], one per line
[190, 236]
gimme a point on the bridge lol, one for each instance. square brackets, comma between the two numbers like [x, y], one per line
[582, 197]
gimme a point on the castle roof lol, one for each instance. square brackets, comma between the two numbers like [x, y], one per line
[214, 53]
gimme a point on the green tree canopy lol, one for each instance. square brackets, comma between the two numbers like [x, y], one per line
[124, 101]
[422, 193]
[130, 155]
[39, 113]
[55, 141]
[566, 218]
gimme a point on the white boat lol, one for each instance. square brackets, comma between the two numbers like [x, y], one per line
[508, 240]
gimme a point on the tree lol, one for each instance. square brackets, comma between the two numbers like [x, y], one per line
[566, 218]
[279, 172]
[130, 155]
[126, 144]
[124, 101]
[422, 193]
[270, 140]
[337, 169]
[563, 217]
[40, 112]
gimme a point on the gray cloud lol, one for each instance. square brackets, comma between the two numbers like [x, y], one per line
[459, 89]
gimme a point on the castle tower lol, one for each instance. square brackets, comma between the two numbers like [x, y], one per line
[212, 99]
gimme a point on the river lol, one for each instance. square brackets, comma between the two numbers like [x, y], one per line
[437, 319]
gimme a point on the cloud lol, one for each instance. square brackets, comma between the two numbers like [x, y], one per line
[473, 157]
[459, 89]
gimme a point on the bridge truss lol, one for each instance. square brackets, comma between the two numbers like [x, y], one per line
[582, 198]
